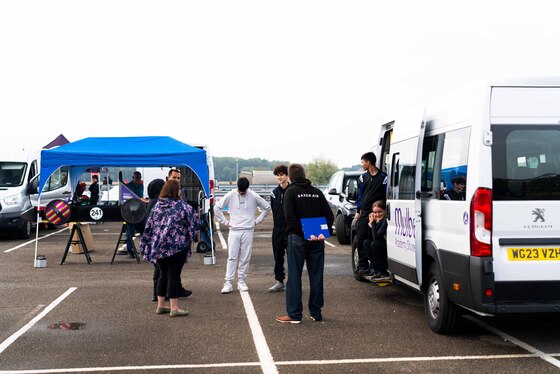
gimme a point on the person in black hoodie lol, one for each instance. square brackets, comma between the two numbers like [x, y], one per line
[94, 190]
[302, 200]
[377, 245]
[279, 236]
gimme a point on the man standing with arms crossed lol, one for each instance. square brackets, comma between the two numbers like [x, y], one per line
[302, 200]
[373, 187]
[242, 204]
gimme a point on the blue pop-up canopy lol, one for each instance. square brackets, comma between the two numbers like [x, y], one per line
[144, 151]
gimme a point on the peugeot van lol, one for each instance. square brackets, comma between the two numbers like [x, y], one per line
[496, 251]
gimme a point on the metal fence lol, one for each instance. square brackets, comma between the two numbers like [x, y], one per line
[261, 189]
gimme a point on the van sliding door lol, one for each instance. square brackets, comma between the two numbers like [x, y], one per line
[404, 238]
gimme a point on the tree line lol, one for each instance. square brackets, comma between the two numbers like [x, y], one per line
[319, 170]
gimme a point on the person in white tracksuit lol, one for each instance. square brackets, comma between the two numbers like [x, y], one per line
[242, 204]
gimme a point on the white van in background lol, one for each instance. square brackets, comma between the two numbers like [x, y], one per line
[497, 251]
[17, 169]
[19, 178]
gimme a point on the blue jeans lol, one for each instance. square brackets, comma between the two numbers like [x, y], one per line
[130, 231]
[301, 251]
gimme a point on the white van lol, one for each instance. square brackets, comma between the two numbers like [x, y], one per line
[498, 250]
[17, 169]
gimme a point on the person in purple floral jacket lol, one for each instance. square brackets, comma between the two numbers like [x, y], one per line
[167, 242]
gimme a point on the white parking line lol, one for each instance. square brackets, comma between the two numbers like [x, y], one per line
[547, 357]
[278, 363]
[330, 244]
[33, 241]
[265, 357]
[6, 343]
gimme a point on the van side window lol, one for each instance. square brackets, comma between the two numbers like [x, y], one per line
[454, 156]
[57, 180]
[429, 169]
[526, 162]
[403, 171]
[32, 170]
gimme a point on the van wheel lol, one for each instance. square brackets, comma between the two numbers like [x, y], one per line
[356, 260]
[442, 315]
[342, 230]
[25, 231]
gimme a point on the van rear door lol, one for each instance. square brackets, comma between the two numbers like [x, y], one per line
[526, 197]
[404, 235]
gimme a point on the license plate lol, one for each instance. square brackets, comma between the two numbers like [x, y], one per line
[534, 254]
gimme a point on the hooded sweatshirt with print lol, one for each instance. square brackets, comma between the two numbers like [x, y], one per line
[302, 200]
[242, 210]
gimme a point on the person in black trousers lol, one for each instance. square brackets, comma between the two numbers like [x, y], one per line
[94, 190]
[373, 187]
[377, 245]
[279, 235]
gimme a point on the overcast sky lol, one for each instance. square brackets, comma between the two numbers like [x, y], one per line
[290, 80]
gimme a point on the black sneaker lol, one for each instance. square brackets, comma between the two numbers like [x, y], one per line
[317, 318]
[381, 277]
[185, 293]
[360, 272]
[370, 272]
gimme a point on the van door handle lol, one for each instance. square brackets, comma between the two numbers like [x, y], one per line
[388, 212]
[418, 195]
[66, 193]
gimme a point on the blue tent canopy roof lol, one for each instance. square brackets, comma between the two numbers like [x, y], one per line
[144, 151]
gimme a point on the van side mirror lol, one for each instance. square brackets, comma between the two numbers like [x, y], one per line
[33, 186]
[332, 191]
[352, 191]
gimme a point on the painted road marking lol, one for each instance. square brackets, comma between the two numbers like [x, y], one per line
[6, 343]
[278, 363]
[547, 357]
[33, 241]
[265, 357]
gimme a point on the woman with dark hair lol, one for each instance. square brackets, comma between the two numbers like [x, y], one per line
[167, 242]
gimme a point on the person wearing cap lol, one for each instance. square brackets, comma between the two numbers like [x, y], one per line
[458, 191]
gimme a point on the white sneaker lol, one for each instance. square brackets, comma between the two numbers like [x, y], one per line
[227, 288]
[242, 287]
[278, 286]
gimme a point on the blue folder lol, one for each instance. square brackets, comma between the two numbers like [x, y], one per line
[315, 226]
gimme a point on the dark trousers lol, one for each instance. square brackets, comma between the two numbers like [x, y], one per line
[169, 282]
[279, 245]
[301, 251]
[362, 233]
[377, 254]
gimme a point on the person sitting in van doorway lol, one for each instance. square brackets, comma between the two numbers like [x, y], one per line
[373, 187]
[458, 191]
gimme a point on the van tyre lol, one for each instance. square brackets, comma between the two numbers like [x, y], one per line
[356, 260]
[342, 230]
[442, 315]
[25, 231]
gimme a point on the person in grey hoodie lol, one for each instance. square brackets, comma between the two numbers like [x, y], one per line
[242, 204]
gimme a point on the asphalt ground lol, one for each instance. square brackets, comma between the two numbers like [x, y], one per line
[366, 328]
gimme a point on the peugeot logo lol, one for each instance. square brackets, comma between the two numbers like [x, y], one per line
[539, 214]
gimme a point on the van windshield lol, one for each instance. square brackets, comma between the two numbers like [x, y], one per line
[525, 162]
[12, 173]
